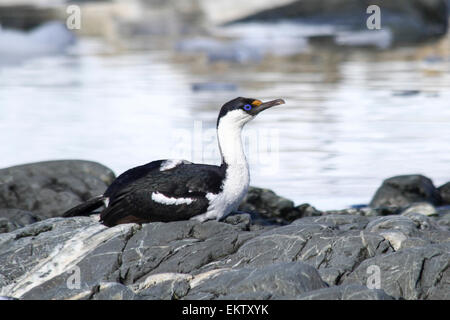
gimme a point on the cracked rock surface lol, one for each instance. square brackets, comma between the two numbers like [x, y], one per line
[275, 251]
[323, 257]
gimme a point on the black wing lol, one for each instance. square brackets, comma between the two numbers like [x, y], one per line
[130, 176]
[131, 199]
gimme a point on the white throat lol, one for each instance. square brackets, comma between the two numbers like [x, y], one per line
[237, 176]
[229, 137]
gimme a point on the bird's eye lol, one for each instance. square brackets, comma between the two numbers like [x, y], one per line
[247, 107]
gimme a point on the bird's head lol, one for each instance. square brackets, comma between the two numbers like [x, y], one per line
[242, 110]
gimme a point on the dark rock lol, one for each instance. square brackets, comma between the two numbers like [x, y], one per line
[444, 221]
[270, 206]
[12, 219]
[165, 286]
[412, 243]
[50, 188]
[422, 222]
[273, 281]
[409, 20]
[411, 230]
[401, 191]
[178, 247]
[360, 211]
[444, 190]
[345, 292]
[339, 221]
[243, 220]
[323, 242]
[79, 258]
[38, 260]
[113, 291]
[303, 210]
[414, 273]
[398, 223]
[26, 16]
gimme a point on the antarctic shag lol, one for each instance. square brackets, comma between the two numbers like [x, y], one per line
[169, 190]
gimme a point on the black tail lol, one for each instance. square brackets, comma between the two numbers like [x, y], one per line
[85, 208]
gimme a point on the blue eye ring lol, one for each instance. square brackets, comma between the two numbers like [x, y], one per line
[247, 107]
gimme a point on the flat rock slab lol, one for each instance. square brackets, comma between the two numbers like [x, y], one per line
[278, 280]
[345, 292]
[60, 258]
[413, 273]
[311, 258]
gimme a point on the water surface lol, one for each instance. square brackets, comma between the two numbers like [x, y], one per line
[352, 117]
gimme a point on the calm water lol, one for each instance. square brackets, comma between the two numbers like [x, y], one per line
[352, 118]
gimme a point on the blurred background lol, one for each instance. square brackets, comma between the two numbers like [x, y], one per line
[127, 82]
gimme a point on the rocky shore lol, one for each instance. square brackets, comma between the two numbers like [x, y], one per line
[271, 249]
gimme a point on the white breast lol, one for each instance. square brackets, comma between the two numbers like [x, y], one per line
[237, 177]
[235, 188]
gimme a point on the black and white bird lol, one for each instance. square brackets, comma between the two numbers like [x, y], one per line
[169, 190]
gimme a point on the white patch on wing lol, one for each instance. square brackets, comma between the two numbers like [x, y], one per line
[106, 202]
[160, 198]
[170, 164]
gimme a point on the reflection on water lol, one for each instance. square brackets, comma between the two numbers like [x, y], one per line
[351, 118]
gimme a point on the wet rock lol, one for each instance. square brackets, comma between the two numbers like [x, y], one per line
[414, 273]
[401, 191]
[12, 219]
[345, 292]
[49, 188]
[444, 190]
[273, 281]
